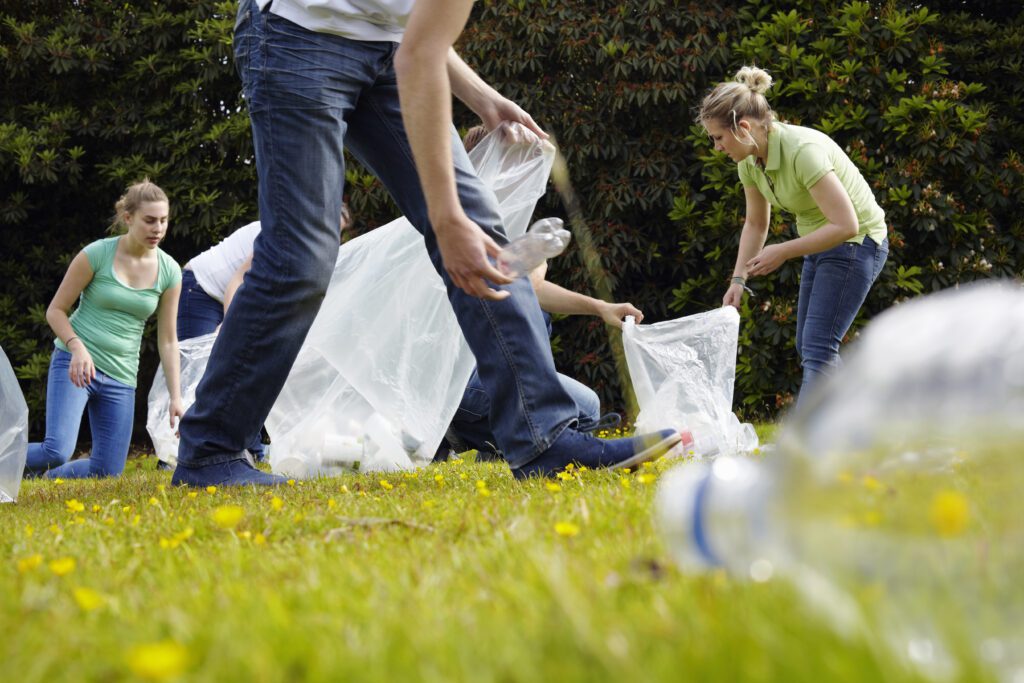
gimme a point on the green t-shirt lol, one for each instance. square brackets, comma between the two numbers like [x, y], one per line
[799, 157]
[111, 315]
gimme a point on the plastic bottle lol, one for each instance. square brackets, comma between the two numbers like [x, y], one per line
[894, 502]
[545, 238]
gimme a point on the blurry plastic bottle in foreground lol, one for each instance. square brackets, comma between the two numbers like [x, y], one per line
[326, 453]
[894, 502]
[545, 238]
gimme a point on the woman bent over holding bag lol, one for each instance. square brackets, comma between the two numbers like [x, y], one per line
[841, 229]
[119, 282]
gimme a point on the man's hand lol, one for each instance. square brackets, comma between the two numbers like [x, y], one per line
[464, 251]
[503, 110]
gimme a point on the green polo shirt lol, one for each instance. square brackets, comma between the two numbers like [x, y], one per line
[799, 157]
[111, 315]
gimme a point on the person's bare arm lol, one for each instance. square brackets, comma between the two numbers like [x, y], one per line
[557, 299]
[235, 282]
[831, 197]
[752, 238]
[167, 345]
[82, 370]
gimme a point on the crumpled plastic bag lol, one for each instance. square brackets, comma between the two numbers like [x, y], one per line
[683, 372]
[194, 354]
[384, 366]
[13, 432]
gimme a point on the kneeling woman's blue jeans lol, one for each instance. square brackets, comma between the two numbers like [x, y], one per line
[111, 412]
[833, 286]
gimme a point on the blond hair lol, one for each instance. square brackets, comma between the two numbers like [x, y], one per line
[742, 97]
[135, 196]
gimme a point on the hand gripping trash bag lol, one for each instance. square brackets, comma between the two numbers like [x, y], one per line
[194, 354]
[683, 373]
[385, 365]
[13, 432]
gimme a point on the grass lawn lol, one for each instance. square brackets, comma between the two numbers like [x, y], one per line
[454, 572]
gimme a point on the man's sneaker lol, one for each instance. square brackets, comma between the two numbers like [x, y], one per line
[604, 423]
[232, 473]
[578, 448]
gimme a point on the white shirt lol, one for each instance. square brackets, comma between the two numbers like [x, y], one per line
[214, 267]
[356, 19]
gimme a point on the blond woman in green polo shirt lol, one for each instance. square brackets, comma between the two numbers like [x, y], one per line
[118, 283]
[841, 230]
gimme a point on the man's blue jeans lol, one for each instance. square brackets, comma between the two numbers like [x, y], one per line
[111, 412]
[307, 93]
[199, 314]
[471, 429]
[833, 286]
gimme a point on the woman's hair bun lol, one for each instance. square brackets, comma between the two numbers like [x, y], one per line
[754, 78]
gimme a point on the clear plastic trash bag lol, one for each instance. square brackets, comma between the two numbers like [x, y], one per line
[683, 372]
[13, 432]
[194, 354]
[384, 366]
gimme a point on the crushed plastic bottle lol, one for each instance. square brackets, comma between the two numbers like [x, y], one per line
[893, 502]
[545, 238]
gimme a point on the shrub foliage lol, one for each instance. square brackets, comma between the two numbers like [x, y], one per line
[927, 104]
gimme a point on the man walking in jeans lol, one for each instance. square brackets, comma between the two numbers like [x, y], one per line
[317, 75]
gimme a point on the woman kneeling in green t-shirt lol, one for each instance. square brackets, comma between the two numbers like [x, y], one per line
[121, 281]
[841, 229]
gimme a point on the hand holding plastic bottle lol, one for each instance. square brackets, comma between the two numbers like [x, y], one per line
[545, 238]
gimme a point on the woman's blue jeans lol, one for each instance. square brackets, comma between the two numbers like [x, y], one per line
[307, 94]
[833, 286]
[199, 314]
[111, 407]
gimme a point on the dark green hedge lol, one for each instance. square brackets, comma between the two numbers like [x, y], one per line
[98, 94]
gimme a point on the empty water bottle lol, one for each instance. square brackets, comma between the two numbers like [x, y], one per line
[893, 502]
[545, 238]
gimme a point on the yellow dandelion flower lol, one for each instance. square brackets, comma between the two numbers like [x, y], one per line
[259, 539]
[29, 531]
[62, 566]
[245, 534]
[158, 661]
[291, 482]
[161, 487]
[949, 513]
[193, 494]
[564, 476]
[344, 489]
[228, 516]
[570, 467]
[427, 504]
[153, 501]
[457, 461]
[552, 486]
[567, 529]
[331, 503]
[126, 509]
[624, 481]
[463, 476]
[87, 599]
[58, 481]
[27, 564]
[645, 478]
[276, 503]
[211, 489]
[136, 519]
[386, 485]
[55, 529]
[96, 508]
[74, 505]
[581, 468]
[481, 488]
[298, 517]
[439, 478]
[871, 484]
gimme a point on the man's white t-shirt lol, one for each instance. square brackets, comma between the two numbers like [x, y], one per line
[214, 267]
[355, 19]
